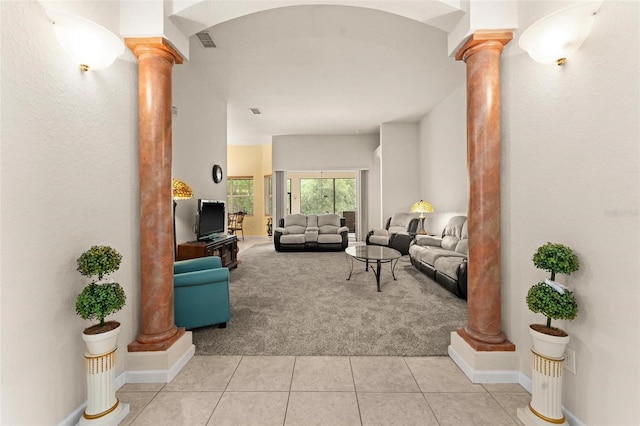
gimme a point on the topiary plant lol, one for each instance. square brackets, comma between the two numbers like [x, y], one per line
[551, 299]
[556, 258]
[99, 299]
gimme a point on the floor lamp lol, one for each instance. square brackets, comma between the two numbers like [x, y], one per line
[181, 191]
[422, 207]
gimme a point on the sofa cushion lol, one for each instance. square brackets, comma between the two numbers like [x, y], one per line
[329, 238]
[454, 227]
[379, 240]
[292, 239]
[328, 223]
[312, 221]
[463, 247]
[402, 220]
[428, 240]
[449, 242]
[429, 255]
[295, 223]
[448, 266]
[311, 235]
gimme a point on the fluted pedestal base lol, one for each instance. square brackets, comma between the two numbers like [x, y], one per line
[546, 396]
[103, 408]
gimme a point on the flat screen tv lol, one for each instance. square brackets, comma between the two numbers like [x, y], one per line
[211, 219]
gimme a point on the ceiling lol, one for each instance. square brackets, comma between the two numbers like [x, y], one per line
[324, 69]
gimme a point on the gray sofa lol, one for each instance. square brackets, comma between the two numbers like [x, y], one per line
[299, 232]
[444, 258]
[398, 232]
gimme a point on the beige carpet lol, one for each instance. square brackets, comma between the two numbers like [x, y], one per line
[302, 304]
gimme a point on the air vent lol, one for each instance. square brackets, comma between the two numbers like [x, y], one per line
[255, 111]
[206, 40]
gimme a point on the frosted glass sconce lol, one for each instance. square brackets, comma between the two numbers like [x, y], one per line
[554, 38]
[87, 43]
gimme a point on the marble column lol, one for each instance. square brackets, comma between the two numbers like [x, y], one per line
[481, 53]
[156, 58]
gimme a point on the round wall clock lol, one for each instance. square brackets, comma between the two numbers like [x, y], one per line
[217, 173]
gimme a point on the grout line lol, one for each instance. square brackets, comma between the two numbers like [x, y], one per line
[286, 408]
[355, 390]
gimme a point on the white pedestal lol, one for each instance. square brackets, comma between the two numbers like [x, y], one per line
[103, 408]
[546, 396]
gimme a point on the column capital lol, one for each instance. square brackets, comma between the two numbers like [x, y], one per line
[160, 45]
[489, 39]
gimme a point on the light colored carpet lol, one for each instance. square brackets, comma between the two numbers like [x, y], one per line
[302, 304]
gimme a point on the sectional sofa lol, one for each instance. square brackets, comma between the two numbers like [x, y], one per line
[299, 232]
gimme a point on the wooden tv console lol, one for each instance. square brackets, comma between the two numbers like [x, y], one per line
[226, 247]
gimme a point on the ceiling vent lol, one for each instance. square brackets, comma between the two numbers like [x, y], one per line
[206, 40]
[255, 111]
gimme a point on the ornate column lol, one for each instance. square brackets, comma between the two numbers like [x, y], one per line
[156, 58]
[482, 53]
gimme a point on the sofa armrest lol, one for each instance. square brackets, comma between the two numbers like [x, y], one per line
[343, 229]
[196, 278]
[197, 264]
[312, 229]
[380, 232]
[282, 231]
[428, 240]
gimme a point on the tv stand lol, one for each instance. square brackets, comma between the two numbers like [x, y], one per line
[224, 246]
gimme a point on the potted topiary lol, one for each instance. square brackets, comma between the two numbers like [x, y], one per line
[552, 299]
[100, 298]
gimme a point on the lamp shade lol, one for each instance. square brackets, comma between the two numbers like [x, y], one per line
[181, 191]
[89, 44]
[554, 38]
[422, 207]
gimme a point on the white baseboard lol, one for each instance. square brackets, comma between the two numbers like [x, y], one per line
[484, 376]
[160, 376]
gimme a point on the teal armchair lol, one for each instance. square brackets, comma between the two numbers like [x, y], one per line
[201, 292]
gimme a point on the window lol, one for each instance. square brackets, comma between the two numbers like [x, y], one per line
[327, 195]
[268, 195]
[240, 195]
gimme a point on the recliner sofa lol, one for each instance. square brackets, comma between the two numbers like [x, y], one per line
[398, 232]
[201, 292]
[299, 232]
[444, 259]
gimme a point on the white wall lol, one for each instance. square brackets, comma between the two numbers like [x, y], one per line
[329, 152]
[199, 142]
[69, 180]
[442, 154]
[570, 145]
[400, 168]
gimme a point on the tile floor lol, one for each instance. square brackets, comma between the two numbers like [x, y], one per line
[327, 391]
[288, 390]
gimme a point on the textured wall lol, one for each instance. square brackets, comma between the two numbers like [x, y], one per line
[69, 181]
[571, 175]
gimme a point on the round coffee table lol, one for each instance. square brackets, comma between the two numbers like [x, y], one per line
[378, 254]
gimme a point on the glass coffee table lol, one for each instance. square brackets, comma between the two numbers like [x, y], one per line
[377, 254]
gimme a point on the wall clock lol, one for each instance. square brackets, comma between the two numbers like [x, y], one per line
[217, 173]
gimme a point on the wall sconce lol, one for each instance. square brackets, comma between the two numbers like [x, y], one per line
[554, 38]
[89, 44]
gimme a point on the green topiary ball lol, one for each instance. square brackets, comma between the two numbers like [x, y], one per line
[556, 258]
[99, 261]
[97, 301]
[543, 299]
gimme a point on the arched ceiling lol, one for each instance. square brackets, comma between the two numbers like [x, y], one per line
[324, 69]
